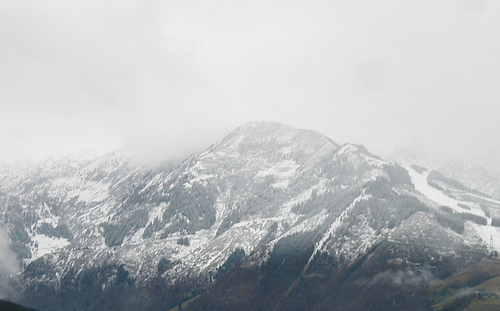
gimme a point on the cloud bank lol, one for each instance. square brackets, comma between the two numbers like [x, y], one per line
[166, 78]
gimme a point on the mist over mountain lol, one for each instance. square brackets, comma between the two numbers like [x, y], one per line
[269, 218]
[479, 172]
[180, 204]
[412, 152]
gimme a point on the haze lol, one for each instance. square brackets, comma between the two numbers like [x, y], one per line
[167, 78]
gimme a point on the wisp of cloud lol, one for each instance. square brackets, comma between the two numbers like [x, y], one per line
[8, 264]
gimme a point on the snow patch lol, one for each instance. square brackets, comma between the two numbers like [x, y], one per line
[337, 223]
[45, 245]
[93, 192]
[347, 149]
[437, 196]
[489, 235]
[309, 224]
[282, 172]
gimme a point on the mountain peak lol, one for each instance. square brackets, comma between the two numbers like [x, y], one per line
[258, 135]
[252, 125]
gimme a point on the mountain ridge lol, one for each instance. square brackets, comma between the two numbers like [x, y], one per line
[108, 226]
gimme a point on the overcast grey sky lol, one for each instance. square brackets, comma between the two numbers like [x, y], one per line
[166, 78]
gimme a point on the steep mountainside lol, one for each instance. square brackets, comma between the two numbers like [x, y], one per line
[271, 217]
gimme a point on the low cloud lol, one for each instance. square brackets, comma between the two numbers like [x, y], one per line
[8, 264]
[167, 78]
[404, 277]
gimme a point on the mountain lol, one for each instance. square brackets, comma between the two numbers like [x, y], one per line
[270, 218]
[472, 174]
[490, 162]
[481, 173]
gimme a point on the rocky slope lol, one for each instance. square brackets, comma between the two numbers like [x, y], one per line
[283, 204]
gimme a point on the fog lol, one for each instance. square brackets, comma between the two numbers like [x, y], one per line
[8, 265]
[167, 78]
[405, 277]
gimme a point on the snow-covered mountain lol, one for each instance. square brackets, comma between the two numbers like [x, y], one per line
[268, 195]
[490, 162]
[481, 173]
[472, 174]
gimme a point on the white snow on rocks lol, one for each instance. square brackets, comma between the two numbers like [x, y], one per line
[46, 245]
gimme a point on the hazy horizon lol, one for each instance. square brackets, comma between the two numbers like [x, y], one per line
[166, 79]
